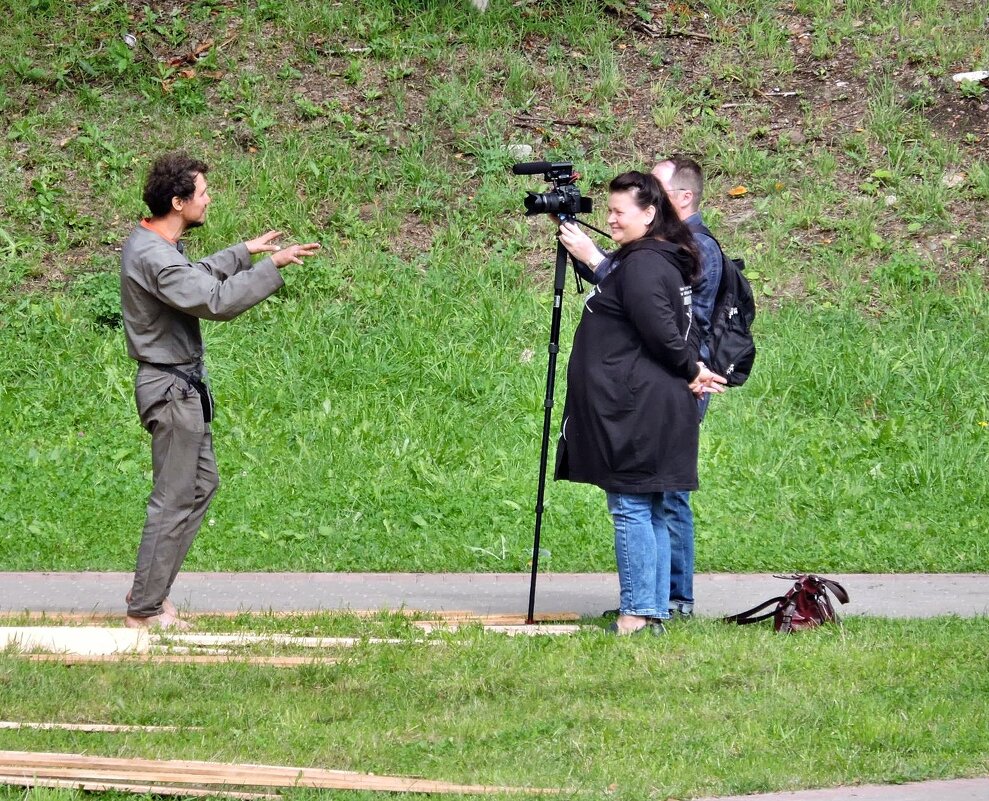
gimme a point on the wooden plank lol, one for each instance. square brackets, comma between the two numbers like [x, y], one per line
[140, 789]
[94, 727]
[505, 618]
[304, 778]
[185, 659]
[117, 617]
[91, 768]
[248, 638]
[74, 639]
[538, 629]
[63, 617]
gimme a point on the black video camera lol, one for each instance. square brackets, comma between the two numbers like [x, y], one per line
[564, 200]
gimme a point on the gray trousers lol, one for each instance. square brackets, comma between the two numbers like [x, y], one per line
[185, 480]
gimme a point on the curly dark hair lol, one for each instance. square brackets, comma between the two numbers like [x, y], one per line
[172, 175]
[647, 191]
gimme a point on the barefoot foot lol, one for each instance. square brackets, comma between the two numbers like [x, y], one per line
[162, 621]
[166, 606]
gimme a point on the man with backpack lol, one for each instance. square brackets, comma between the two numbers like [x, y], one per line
[683, 181]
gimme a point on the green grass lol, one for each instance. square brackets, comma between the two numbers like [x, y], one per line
[709, 709]
[383, 412]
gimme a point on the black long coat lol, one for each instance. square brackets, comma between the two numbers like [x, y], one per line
[630, 422]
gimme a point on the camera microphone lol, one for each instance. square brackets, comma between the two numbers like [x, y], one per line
[534, 167]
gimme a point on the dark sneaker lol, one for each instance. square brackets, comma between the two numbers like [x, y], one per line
[608, 613]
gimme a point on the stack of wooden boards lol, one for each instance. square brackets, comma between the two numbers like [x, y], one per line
[84, 644]
[190, 778]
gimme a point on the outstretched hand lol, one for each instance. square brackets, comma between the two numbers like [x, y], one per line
[264, 243]
[290, 254]
[294, 254]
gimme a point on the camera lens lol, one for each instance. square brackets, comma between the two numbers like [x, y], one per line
[542, 203]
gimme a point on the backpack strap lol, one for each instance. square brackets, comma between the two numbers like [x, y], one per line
[748, 616]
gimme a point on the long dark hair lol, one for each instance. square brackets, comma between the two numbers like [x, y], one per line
[647, 191]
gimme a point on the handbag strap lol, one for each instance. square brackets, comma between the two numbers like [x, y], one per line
[839, 592]
[748, 616]
[786, 618]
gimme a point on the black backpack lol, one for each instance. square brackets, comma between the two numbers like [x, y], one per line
[731, 344]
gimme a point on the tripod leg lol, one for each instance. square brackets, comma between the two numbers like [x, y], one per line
[554, 349]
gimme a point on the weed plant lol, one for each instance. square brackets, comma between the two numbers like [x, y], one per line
[383, 412]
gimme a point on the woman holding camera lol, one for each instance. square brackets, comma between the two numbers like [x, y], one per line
[630, 422]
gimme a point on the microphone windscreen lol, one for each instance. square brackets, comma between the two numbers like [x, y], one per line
[531, 167]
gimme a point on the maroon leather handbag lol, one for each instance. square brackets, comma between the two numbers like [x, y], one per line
[805, 606]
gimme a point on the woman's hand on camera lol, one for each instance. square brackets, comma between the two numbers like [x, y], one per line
[707, 381]
[579, 244]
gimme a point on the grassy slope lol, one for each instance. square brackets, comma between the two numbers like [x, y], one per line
[383, 411]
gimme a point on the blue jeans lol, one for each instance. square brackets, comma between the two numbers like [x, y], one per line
[642, 550]
[680, 522]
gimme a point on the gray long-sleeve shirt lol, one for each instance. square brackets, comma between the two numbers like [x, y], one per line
[163, 295]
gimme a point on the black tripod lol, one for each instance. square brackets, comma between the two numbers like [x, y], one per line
[554, 348]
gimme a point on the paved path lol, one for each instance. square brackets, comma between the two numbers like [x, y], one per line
[905, 595]
[953, 790]
[909, 595]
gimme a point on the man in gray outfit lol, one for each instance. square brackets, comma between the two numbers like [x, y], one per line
[163, 296]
